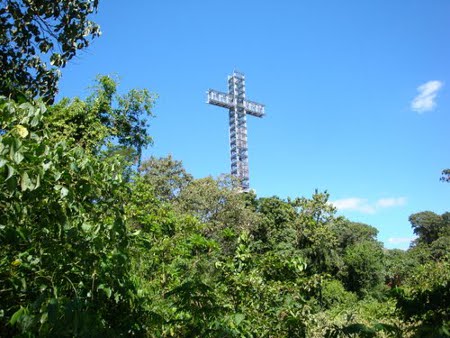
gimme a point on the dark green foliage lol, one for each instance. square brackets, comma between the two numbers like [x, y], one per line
[426, 302]
[429, 226]
[350, 233]
[364, 266]
[276, 228]
[161, 254]
[64, 267]
[361, 330]
[333, 293]
[166, 175]
[103, 118]
[94, 244]
[440, 248]
[37, 38]
[315, 232]
[398, 266]
[219, 206]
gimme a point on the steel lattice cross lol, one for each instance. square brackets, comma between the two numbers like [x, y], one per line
[238, 107]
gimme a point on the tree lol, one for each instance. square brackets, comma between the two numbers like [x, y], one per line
[440, 248]
[166, 175]
[315, 226]
[428, 226]
[276, 226]
[425, 303]
[364, 266]
[37, 37]
[220, 206]
[399, 264]
[64, 267]
[350, 233]
[105, 119]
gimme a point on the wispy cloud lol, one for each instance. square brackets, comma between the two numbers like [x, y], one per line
[354, 204]
[426, 99]
[362, 205]
[400, 240]
[391, 202]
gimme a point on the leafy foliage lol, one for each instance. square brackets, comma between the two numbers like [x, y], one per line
[361, 330]
[429, 226]
[94, 243]
[103, 118]
[364, 266]
[161, 254]
[37, 38]
[63, 237]
[166, 175]
[426, 302]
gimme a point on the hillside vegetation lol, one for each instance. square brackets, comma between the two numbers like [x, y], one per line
[97, 242]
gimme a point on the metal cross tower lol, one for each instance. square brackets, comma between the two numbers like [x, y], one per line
[238, 107]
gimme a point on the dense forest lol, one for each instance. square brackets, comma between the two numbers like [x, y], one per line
[97, 241]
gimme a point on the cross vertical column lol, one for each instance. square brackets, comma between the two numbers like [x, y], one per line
[238, 130]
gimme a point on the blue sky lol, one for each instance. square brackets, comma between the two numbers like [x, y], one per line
[356, 93]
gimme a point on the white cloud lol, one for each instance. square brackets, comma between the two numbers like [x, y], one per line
[362, 205]
[426, 99]
[391, 202]
[399, 240]
[354, 204]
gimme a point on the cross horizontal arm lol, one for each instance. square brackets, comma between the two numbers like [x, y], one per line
[254, 109]
[227, 101]
[220, 99]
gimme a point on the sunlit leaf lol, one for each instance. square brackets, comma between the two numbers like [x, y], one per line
[25, 182]
[10, 172]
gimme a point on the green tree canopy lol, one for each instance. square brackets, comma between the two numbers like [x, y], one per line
[364, 266]
[425, 303]
[37, 38]
[166, 175]
[64, 267]
[429, 226]
[105, 118]
[350, 233]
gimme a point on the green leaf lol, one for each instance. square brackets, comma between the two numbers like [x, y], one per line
[2, 162]
[57, 175]
[238, 318]
[34, 122]
[25, 182]
[21, 234]
[64, 192]
[10, 172]
[46, 166]
[17, 143]
[108, 292]
[44, 318]
[16, 316]
[106, 289]
[38, 182]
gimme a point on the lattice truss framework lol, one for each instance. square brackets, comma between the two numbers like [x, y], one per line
[238, 108]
